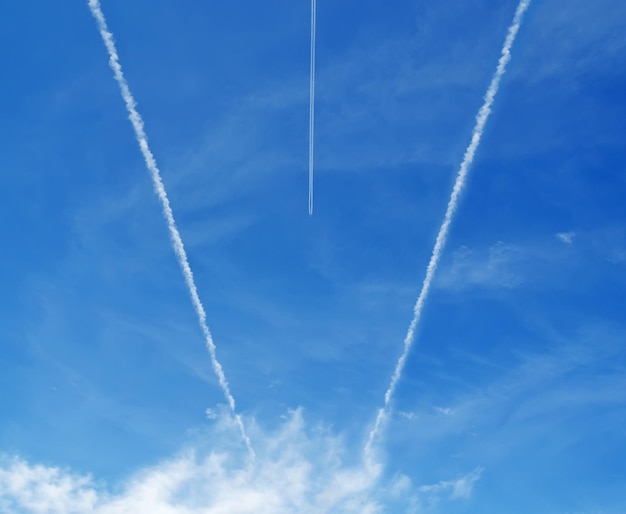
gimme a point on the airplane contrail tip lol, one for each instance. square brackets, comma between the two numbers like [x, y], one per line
[312, 103]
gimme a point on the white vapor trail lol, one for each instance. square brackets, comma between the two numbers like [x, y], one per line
[312, 104]
[177, 242]
[470, 152]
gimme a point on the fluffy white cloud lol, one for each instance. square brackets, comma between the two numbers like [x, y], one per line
[297, 470]
[39, 489]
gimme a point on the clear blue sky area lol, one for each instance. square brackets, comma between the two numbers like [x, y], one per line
[513, 398]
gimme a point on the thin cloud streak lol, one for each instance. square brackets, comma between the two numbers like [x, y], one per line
[468, 158]
[312, 103]
[177, 243]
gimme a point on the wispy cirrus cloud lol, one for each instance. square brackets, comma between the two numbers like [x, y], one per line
[543, 388]
[446, 411]
[566, 237]
[459, 488]
[498, 266]
[539, 262]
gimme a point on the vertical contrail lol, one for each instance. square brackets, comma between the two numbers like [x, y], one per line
[479, 127]
[177, 242]
[312, 104]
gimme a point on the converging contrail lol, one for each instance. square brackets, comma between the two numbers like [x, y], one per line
[312, 104]
[177, 242]
[470, 152]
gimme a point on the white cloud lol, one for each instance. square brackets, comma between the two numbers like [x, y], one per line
[40, 489]
[495, 268]
[556, 259]
[463, 487]
[298, 469]
[400, 485]
[460, 488]
[566, 237]
[295, 472]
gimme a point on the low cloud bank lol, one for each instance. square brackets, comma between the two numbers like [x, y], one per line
[297, 470]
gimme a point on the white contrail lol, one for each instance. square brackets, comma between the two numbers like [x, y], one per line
[312, 104]
[159, 188]
[479, 127]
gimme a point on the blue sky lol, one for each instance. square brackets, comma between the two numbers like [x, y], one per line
[513, 397]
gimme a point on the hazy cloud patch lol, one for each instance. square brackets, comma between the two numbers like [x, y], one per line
[494, 268]
[566, 237]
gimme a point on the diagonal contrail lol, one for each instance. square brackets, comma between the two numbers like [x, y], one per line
[177, 242]
[470, 152]
[312, 104]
